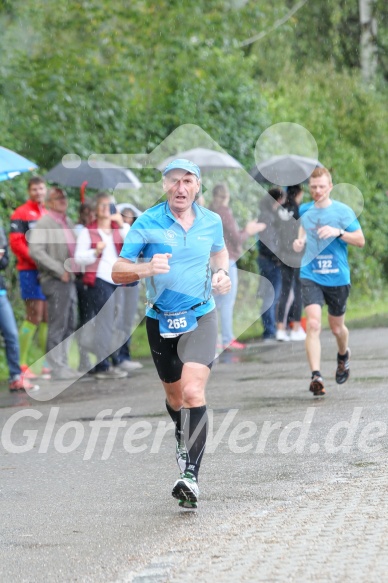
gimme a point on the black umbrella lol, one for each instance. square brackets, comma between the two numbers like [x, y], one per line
[82, 174]
[284, 170]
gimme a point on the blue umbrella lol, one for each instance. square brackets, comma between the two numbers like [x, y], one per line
[12, 164]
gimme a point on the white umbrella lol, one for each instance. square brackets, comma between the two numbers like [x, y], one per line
[204, 158]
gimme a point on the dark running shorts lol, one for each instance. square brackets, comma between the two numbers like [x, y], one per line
[170, 354]
[29, 285]
[335, 297]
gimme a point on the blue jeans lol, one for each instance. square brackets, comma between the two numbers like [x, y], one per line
[271, 271]
[9, 332]
[225, 306]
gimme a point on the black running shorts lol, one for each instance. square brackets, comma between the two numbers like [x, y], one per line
[170, 354]
[335, 297]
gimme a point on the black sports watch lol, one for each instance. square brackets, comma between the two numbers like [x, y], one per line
[224, 270]
[341, 233]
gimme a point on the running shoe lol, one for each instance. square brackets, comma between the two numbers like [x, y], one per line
[343, 368]
[186, 490]
[316, 386]
[181, 455]
[187, 505]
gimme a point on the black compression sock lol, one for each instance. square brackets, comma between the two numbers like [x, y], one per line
[176, 417]
[194, 428]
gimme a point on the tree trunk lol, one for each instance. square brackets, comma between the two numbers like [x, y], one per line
[368, 40]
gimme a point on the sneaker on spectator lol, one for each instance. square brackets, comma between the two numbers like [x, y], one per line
[298, 334]
[130, 365]
[46, 373]
[113, 373]
[27, 373]
[65, 374]
[269, 339]
[282, 336]
[235, 345]
[20, 383]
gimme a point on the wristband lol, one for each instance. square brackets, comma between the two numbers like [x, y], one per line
[224, 270]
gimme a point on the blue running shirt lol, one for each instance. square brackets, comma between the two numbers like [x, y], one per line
[325, 261]
[188, 282]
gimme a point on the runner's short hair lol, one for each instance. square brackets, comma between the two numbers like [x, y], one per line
[318, 172]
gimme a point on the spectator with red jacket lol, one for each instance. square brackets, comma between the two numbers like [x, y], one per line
[23, 219]
[98, 247]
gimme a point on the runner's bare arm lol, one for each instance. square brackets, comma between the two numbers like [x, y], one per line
[220, 281]
[125, 271]
[355, 238]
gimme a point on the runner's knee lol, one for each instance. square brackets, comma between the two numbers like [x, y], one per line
[314, 325]
[337, 329]
[193, 394]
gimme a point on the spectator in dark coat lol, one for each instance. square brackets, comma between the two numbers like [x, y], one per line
[268, 260]
[290, 266]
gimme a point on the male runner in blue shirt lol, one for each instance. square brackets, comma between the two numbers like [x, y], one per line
[327, 228]
[184, 259]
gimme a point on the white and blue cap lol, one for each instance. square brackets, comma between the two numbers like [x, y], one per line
[183, 164]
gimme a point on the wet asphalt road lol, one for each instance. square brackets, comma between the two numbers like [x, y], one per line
[292, 488]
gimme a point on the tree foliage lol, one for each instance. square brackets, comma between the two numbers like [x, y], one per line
[88, 76]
